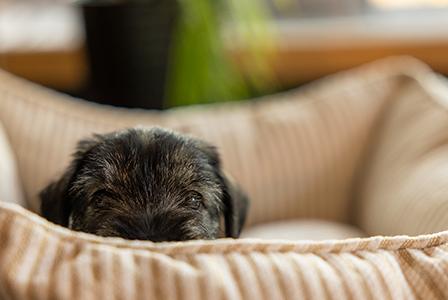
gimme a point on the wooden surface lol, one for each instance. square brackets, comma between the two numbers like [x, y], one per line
[63, 70]
[312, 48]
[295, 65]
[68, 70]
[306, 50]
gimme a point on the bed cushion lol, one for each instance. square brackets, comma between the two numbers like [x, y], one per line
[407, 166]
[39, 260]
[300, 148]
[304, 229]
[328, 176]
[10, 185]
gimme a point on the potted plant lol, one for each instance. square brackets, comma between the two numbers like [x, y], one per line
[202, 70]
[128, 43]
[163, 53]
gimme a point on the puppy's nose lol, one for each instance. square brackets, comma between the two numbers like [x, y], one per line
[141, 234]
[158, 238]
[162, 237]
[160, 228]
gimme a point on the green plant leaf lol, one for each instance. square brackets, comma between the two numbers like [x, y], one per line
[200, 69]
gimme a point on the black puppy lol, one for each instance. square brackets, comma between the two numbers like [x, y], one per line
[147, 184]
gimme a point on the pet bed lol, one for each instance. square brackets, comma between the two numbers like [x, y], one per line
[367, 148]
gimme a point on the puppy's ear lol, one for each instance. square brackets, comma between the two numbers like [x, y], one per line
[55, 205]
[55, 199]
[236, 205]
[236, 202]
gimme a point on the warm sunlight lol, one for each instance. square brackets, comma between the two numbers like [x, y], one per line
[404, 4]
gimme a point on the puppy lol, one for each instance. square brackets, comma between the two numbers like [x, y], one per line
[146, 184]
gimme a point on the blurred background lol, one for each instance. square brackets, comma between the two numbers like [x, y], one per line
[165, 53]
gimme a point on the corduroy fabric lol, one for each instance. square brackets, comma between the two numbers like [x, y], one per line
[365, 146]
[39, 260]
[10, 185]
[405, 189]
[303, 148]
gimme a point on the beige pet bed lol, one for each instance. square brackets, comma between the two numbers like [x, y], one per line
[365, 149]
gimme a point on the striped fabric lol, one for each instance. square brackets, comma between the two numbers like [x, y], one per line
[406, 170]
[296, 154]
[10, 185]
[365, 147]
[39, 260]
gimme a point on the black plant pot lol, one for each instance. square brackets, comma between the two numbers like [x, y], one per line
[128, 45]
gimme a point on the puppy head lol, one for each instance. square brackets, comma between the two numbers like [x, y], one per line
[148, 184]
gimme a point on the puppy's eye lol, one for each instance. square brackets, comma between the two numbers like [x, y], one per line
[101, 197]
[103, 193]
[195, 201]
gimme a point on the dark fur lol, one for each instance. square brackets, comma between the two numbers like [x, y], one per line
[148, 184]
